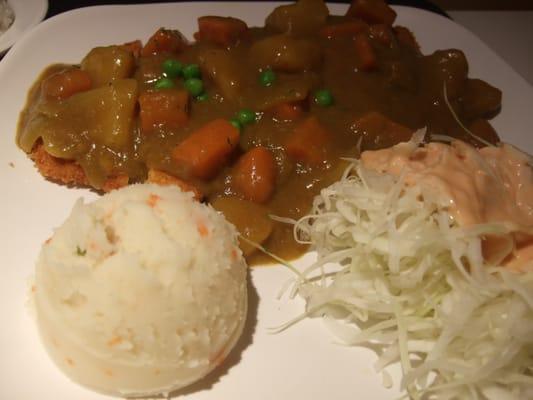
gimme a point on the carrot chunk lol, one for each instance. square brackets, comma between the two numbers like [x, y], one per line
[372, 11]
[365, 52]
[164, 40]
[206, 150]
[163, 109]
[66, 83]
[224, 31]
[287, 111]
[378, 131]
[308, 142]
[162, 178]
[347, 28]
[254, 175]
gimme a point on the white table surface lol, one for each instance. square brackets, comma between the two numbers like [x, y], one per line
[508, 33]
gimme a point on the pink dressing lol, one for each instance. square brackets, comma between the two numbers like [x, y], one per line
[492, 184]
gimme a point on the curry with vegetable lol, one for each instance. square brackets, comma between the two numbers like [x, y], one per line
[254, 120]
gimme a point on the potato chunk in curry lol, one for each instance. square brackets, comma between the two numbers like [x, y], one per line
[108, 64]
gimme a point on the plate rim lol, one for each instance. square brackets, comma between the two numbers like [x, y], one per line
[27, 15]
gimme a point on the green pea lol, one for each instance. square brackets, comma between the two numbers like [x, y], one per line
[236, 123]
[267, 77]
[172, 68]
[191, 71]
[323, 98]
[246, 116]
[202, 97]
[164, 83]
[195, 86]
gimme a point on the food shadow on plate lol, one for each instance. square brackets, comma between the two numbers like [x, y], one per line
[234, 357]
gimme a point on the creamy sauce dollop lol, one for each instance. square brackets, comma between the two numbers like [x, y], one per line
[489, 185]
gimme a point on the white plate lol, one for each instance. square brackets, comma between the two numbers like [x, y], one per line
[300, 363]
[28, 13]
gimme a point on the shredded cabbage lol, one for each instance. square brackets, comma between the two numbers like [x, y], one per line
[396, 274]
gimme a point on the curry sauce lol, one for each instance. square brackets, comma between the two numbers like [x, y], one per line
[307, 89]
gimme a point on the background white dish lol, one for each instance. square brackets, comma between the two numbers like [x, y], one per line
[300, 363]
[28, 13]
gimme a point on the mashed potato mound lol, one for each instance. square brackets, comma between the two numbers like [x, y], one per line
[141, 292]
